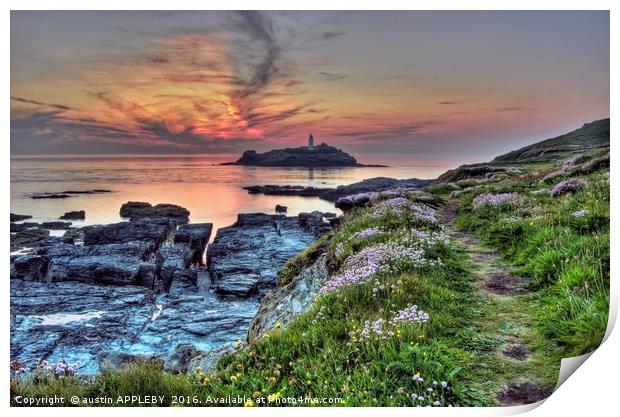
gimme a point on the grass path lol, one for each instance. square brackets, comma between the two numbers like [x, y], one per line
[516, 365]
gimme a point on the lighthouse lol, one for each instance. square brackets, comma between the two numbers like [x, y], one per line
[311, 142]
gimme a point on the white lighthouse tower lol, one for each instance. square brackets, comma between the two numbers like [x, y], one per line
[311, 142]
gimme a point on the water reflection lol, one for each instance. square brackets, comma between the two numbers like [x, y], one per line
[212, 193]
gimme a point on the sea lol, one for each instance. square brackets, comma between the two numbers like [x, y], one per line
[210, 191]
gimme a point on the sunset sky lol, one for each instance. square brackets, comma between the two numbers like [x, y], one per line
[467, 85]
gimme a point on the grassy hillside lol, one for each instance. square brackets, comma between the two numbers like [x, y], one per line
[591, 135]
[449, 297]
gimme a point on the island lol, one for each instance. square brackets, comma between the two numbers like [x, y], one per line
[321, 156]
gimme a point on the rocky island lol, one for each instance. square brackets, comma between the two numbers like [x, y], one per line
[321, 156]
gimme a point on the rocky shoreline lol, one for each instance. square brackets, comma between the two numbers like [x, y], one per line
[154, 288]
[140, 289]
[333, 194]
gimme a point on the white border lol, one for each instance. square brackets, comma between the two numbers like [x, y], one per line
[591, 390]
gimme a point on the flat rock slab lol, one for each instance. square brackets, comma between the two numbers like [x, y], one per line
[285, 303]
[74, 215]
[147, 229]
[19, 217]
[195, 236]
[193, 313]
[244, 258]
[94, 323]
[74, 321]
[136, 210]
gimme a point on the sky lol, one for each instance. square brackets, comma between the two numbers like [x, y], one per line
[464, 85]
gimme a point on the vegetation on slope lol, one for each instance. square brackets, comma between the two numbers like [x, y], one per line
[590, 136]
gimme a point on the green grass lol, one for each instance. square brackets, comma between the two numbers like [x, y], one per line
[565, 257]
[318, 355]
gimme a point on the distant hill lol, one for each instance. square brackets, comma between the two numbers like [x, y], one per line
[591, 135]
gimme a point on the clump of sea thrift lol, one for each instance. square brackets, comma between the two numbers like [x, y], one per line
[371, 260]
[434, 395]
[46, 369]
[382, 329]
[495, 200]
[568, 186]
[410, 315]
[369, 232]
[339, 251]
[579, 213]
[61, 368]
[402, 205]
[428, 239]
[17, 368]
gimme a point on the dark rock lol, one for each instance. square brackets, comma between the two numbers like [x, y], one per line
[132, 208]
[30, 267]
[354, 201]
[170, 259]
[281, 209]
[296, 190]
[101, 269]
[54, 241]
[179, 359]
[140, 250]
[56, 225]
[67, 194]
[28, 238]
[244, 258]
[283, 304]
[195, 236]
[94, 191]
[135, 210]
[121, 324]
[20, 227]
[335, 222]
[74, 215]
[75, 321]
[153, 231]
[51, 196]
[313, 222]
[333, 194]
[373, 185]
[190, 313]
[120, 264]
[19, 217]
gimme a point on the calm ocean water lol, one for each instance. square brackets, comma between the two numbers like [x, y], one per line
[211, 192]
